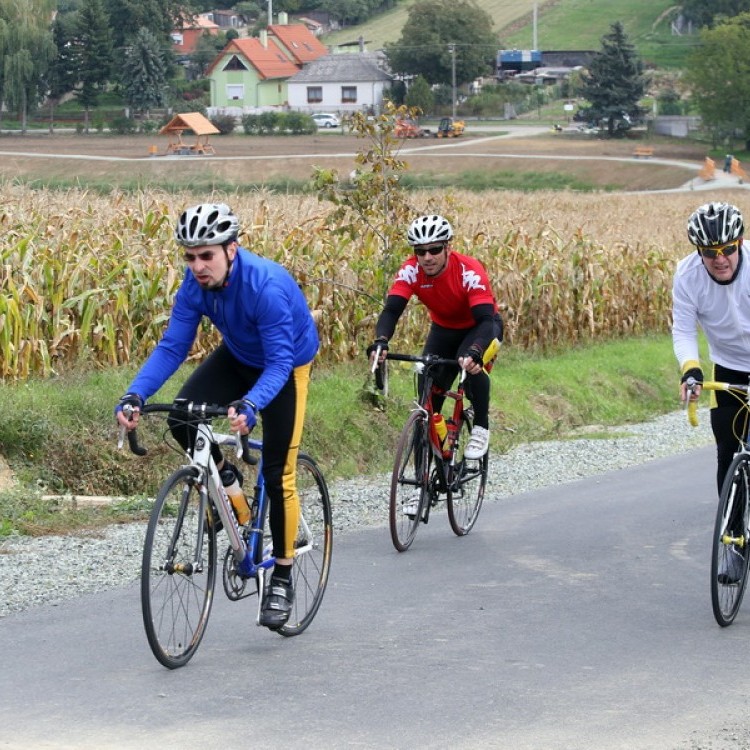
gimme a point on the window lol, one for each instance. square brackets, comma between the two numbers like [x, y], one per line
[235, 64]
[314, 94]
[348, 94]
[235, 92]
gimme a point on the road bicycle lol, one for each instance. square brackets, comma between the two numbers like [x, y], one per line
[179, 565]
[429, 462]
[729, 561]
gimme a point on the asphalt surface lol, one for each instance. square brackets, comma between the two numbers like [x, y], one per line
[577, 616]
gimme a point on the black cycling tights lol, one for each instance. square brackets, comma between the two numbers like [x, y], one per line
[451, 343]
[221, 379]
[728, 420]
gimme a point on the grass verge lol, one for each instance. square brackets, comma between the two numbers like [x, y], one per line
[58, 435]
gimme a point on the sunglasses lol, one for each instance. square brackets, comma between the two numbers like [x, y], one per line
[431, 249]
[725, 250]
[205, 256]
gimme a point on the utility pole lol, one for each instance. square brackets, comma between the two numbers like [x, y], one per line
[452, 49]
[535, 40]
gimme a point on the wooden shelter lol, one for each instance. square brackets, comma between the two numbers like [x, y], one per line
[201, 126]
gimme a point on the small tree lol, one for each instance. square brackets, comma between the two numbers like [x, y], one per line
[144, 78]
[419, 96]
[717, 75]
[614, 83]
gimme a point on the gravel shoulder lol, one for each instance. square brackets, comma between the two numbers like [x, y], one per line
[97, 561]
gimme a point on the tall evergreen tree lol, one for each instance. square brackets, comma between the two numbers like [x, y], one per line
[95, 54]
[127, 17]
[144, 79]
[615, 83]
[62, 75]
[435, 27]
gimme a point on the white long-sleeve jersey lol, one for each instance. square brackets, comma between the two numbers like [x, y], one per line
[721, 310]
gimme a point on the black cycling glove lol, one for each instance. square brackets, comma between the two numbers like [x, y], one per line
[475, 353]
[382, 343]
[129, 399]
[693, 372]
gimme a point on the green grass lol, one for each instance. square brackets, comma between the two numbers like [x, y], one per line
[478, 181]
[565, 24]
[58, 435]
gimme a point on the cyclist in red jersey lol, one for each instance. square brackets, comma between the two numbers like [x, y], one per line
[456, 291]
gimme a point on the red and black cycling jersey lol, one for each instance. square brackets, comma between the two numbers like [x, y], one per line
[449, 296]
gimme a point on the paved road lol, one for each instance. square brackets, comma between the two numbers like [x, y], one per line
[573, 617]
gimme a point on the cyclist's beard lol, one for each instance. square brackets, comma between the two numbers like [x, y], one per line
[436, 271]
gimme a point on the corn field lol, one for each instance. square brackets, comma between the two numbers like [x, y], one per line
[90, 279]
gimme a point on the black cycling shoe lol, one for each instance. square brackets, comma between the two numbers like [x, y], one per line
[277, 603]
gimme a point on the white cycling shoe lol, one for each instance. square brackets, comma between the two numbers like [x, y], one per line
[479, 443]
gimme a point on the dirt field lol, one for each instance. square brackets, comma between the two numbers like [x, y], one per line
[240, 159]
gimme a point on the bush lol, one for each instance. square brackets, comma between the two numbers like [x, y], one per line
[251, 124]
[268, 122]
[148, 126]
[298, 123]
[279, 123]
[122, 125]
[225, 123]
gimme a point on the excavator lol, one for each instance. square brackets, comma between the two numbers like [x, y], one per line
[450, 128]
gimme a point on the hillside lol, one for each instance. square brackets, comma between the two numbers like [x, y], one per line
[561, 24]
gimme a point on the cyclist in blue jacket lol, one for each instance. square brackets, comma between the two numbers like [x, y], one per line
[262, 367]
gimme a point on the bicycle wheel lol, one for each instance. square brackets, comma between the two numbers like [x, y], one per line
[312, 557]
[466, 490]
[409, 481]
[178, 570]
[730, 552]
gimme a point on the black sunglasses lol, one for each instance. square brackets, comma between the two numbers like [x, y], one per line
[205, 256]
[431, 249]
[729, 248]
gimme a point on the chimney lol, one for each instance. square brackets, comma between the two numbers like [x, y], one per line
[283, 19]
[264, 37]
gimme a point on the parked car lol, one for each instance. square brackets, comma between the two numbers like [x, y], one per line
[324, 120]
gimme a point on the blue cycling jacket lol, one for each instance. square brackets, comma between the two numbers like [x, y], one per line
[262, 315]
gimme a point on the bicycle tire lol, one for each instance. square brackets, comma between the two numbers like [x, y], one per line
[731, 522]
[409, 481]
[314, 543]
[466, 490]
[177, 585]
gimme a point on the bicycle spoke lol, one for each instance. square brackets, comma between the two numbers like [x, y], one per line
[466, 490]
[312, 560]
[178, 571]
[409, 483]
[730, 549]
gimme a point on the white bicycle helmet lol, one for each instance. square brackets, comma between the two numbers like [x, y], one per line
[206, 224]
[428, 229]
[715, 224]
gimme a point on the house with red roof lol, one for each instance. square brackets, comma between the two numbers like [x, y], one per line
[185, 37]
[251, 73]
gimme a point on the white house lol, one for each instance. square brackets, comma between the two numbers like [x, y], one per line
[339, 83]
